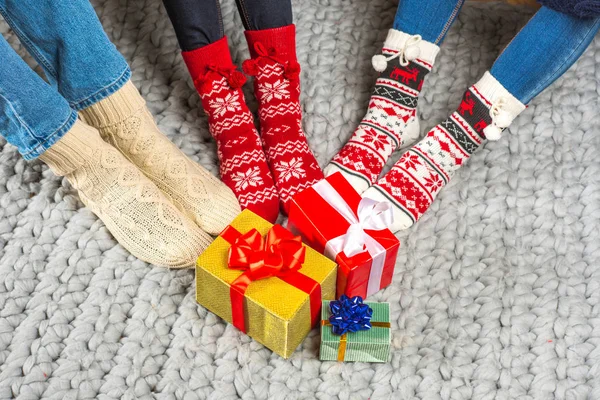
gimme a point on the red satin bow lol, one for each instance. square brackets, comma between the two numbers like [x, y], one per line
[279, 255]
[262, 258]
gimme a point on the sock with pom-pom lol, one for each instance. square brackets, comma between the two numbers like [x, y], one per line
[276, 73]
[243, 164]
[391, 121]
[412, 184]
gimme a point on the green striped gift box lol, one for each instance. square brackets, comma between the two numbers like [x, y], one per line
[366, 346]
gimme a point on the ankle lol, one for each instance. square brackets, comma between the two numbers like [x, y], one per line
[410, 47]
[73, 150]
[215, 54]
[281, 41]
[115, 108]
[503, 106]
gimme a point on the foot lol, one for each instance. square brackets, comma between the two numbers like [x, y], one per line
[125, 122]
[391, 121]
[415, 180]
[242, 159]
[135, 211]
[277, 87]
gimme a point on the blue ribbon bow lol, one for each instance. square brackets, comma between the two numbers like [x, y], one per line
[349, 315]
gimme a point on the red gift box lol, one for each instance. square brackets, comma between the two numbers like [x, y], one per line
[333, 219]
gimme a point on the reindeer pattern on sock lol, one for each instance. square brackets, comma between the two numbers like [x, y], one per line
[466, 105]
[405, 75]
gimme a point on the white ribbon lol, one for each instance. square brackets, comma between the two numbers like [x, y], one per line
[371, 215]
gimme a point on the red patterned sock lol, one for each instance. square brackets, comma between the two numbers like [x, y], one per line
[277, 87]
[242, 160]
[415, 180]
[391, 121]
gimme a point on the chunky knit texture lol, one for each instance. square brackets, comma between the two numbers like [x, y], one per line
[276, 74]
[416, 179]
[243, 164]
[391, 121]
[134, 210]
[494, 292]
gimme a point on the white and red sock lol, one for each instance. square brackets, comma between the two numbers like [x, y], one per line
[391, 121]
[415, 180]
[277, 87]
[243, 164]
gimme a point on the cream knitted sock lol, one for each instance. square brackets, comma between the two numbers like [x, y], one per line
[134, 210]
[125, 122]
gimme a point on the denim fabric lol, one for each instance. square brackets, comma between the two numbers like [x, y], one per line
[429, 18]
[542, 51]
[199, 23]
[67, 40]
[33, 115]
[79, 61]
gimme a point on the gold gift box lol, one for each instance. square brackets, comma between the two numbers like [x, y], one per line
[277, 314]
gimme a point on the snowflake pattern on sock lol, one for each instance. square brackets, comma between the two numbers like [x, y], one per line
[392, 107]
[415, 180]
[292, 163]
[243, 165]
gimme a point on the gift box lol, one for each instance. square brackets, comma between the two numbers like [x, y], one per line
[333, 219]
[265, 281]
[365, 345]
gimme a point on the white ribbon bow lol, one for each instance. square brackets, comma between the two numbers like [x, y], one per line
[371, 215]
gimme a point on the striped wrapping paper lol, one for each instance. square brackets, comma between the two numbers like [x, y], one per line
[365, 346]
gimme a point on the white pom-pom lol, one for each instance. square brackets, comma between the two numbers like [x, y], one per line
[412, 52]
[492, 132]
[379, 63]
[503, 119]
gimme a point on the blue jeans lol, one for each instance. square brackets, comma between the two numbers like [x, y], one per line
[538, 55]
[199, 23]
[79, 61]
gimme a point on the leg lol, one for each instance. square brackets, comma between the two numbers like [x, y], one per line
[197, 23]
[540, 53]
[33, 116]
[68, 41]
[430, 19]
[391, 121]
[550, 52]
[271, 38]
[243, 165]
[39, 122]
[265, 14]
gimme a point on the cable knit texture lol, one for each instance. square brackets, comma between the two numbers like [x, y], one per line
[125, 122]
[134, 210]
[496, 289]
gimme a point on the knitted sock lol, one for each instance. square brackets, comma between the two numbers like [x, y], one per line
[415, 180]
[391, 121]
[277, 87]
[133, 209]
[125, 122]
[243, 164]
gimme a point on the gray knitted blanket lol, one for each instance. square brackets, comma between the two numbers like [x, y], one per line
[496, 292]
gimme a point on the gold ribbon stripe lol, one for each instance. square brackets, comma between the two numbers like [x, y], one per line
[344, 337]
